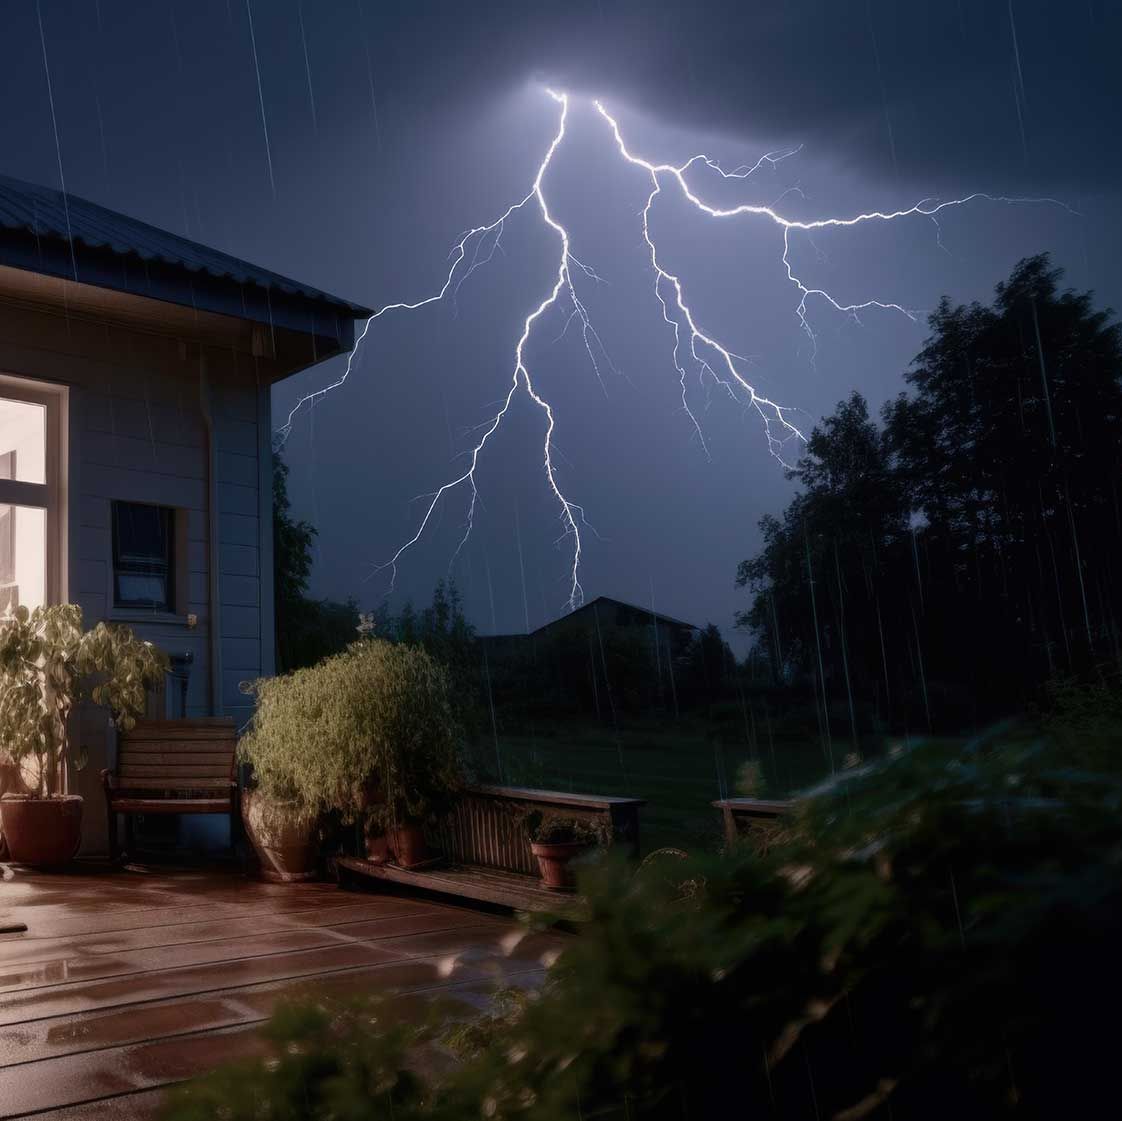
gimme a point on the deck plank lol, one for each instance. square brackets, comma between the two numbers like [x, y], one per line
[32, 949]
[126, 983]
[61, 971]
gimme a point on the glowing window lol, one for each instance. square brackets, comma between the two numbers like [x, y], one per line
[24, 503]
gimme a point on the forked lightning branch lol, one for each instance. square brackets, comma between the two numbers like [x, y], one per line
[692, 348]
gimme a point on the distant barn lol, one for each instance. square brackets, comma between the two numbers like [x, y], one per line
[598, 615]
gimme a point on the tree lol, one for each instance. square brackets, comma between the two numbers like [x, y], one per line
[307, 629]
[1010, 446]
[822, 567]
[969, 540]
[444, 632]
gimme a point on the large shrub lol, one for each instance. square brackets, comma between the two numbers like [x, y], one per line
[936, 938]
[380, 713]
[47, 664]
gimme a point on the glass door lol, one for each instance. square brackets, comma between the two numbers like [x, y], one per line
[25, 501]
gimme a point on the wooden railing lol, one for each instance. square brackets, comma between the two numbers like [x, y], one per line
[488, 825]
[753, 819]
[484, 845]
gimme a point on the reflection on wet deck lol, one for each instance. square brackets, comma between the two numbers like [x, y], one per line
[125, 982]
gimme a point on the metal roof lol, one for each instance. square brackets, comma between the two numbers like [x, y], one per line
[49, 214]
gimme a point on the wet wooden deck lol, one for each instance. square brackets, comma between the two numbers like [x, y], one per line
[126, 982]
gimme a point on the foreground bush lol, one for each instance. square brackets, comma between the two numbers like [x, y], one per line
[937, 939]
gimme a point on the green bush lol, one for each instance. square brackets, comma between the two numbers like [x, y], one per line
[378, 713]
[47, 663]
[936, 937]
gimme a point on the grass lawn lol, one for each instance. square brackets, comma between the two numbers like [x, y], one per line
[678, 769]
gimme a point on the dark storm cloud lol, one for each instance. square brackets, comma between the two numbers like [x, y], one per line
[394, 125]
[902, 87]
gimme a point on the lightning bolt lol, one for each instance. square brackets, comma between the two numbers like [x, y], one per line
[709, 356]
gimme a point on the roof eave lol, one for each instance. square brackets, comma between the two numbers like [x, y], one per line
[327, 320]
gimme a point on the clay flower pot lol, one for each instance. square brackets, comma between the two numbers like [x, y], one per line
[554, 859]
[284, 844]
[408, 844]
[377, 848]
[41, 832]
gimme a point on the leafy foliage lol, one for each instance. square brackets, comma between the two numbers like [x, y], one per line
[442, 630]
[379, 711]
[970, 536]
[308, 630]
[47, 663]
[338, 1063]
[932, 937]
[552, 829]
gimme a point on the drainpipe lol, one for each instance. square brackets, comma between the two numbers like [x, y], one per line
[215, 632]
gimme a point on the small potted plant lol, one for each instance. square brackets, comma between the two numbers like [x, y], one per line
[557, 842]
[368, 735]
[47, 663]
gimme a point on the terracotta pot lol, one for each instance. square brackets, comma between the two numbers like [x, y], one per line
[285, 846]
[407, 841]
[377, 848]
[41, 832]
[554, 859]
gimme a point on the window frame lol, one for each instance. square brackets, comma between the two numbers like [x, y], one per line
[48, 495]
[172, 532]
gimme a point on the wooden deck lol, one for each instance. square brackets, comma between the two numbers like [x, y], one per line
[470, 882]
[125, 982]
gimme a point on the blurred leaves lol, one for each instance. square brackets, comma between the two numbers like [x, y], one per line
[935, 935]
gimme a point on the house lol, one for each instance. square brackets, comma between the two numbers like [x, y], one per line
[135, 439]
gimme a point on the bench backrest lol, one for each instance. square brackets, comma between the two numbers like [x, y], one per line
[487, 826]
[177, 755]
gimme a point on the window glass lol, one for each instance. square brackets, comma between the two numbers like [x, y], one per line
[142, 556]
[23, 441]
[23, 557]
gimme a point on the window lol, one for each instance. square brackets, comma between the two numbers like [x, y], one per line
[143, 556]
[26, 495]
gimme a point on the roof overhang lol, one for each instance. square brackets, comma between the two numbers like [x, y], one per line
[292, 331]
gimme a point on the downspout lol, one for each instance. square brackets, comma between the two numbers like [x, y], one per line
[214, 630]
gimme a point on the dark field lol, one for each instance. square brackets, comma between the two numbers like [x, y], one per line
[679, 769]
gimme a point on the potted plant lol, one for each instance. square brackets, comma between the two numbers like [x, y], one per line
[368, 733]
[414, 742]
[47, 663]
[557, 842]
[282, 833]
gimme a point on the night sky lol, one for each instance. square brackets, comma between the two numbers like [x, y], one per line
[394, 127]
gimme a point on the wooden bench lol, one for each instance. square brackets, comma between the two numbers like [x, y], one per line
[485, 849]
[173, 767]
[756, 820]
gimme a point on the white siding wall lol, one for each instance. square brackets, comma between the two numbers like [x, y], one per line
[137, 434]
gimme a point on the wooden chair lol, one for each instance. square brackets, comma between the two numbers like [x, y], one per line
[173, 767]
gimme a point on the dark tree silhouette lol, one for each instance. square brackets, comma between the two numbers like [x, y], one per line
[937, 569]
[307, 629]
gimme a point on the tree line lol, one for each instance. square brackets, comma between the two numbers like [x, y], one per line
[944, 561]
